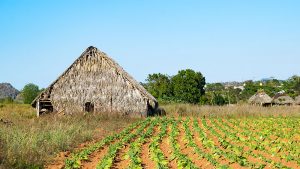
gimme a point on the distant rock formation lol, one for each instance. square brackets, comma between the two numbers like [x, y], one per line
[7, 90]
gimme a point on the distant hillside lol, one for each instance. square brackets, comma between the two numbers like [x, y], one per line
[7, 90]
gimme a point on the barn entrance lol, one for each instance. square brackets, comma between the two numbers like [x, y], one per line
[45, 106]
[89, 107]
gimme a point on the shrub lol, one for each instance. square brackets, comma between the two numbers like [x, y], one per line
[30, 92]
[188, 86]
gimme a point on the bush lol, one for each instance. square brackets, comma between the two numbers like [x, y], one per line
[30, 92]
[188, 86]
[159, 85]
[219, 100]
[204, 100]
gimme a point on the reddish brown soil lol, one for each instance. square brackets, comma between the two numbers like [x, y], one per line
[205, 163]
[145, 154]
[59, 161]
[167, 150]
[249, 158]
[120, 161]
[146, 159]
[216, 142]
[147, 163]
[207, 151]
[202, 163]
[95, 158]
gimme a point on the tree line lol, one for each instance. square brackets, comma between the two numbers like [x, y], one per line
[189, 86]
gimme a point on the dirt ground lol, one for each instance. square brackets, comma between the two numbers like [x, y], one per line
[211, 131]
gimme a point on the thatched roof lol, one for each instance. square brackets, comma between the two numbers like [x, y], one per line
[260, 98]
[297, 100]
[282, 99]
[91, 51]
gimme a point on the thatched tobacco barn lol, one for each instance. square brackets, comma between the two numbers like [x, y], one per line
[297, 100]
[261, 98]
[96, 83]
[282, 98]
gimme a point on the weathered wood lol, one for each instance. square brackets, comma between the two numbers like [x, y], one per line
[297, 100]
[96, 78]
[38, 108]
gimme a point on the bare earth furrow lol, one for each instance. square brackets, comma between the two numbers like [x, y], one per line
[96, 156]
[113, 153]
[207, 151]
[145, 154]
[167, 150]
[191, 151]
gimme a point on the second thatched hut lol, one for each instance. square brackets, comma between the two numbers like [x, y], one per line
[282, 98]
[297, 100]
[261, 98]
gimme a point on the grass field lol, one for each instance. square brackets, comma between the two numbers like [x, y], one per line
[189, 136]
[30, 142]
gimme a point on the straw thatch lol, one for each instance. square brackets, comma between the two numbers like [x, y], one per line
[96, 83]
[282, 98]
[297, 100]
[260, 98]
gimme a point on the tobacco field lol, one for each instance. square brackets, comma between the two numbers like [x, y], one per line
[192, 142]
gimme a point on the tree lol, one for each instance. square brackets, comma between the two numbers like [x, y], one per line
[188, 86]
[214, 87]
[159, 85]
[219, 100]
[273, 83]
[30, 92]
[233, 95]
[206, 99]
[292, 86]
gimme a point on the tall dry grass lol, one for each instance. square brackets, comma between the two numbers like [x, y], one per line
[28, 142]
[239, 110]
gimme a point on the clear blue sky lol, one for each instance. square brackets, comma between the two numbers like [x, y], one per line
[226, 40]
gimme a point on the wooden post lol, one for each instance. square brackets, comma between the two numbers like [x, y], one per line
[38, 108]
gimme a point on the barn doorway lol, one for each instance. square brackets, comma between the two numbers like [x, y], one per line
[45, 107]
[89, 107]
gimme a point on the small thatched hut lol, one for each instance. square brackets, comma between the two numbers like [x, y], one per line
[96, 83]
[282, 98]
[260, 98]
[297, 100]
